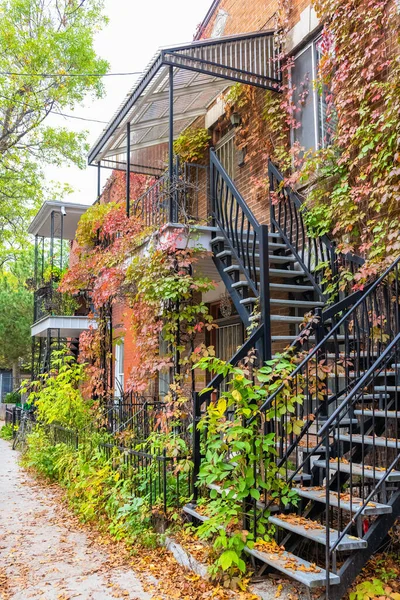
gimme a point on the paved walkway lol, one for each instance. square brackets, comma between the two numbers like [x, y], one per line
[43, 554]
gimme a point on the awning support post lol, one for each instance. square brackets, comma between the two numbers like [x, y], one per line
[171, 144]
[98, 180]
[128, 168]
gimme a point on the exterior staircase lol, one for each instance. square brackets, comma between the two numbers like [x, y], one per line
[345, 462]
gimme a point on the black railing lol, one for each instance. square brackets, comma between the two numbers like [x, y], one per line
[153, 475]
[48, 301]
[340, 357]
[175, 201]
[318, 256]
[13, 417]
[321, 392]
[236, 221]
[362, 460]
[163, 481]
[138, 414]
[63, 435]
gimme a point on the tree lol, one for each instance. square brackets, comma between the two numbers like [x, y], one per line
[16, 308]
[47, 64]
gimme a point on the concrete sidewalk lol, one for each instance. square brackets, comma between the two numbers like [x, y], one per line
[43, 556]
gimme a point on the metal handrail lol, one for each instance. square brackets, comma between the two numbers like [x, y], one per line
[359, 385]
[310, 251]
[243, 205]
[334, 329]
[242, 237]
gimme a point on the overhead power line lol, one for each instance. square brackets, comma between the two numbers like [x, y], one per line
[43, 75]
[55, 112]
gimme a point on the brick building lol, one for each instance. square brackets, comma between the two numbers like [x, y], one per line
[273, 277]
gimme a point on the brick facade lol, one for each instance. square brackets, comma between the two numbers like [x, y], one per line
[262, 16]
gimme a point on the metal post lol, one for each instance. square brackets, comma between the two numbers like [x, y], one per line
[321, 355]
[35, 276]
[61, 239]
[52, 242]
[264, 292]
[42, 260]
[327, 523]
[196, 445]
[171, 143]
[128, 168]
[98, 180]
[111, 349]
[211, 188]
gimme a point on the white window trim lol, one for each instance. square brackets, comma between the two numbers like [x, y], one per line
[311, 44]
[119, 375]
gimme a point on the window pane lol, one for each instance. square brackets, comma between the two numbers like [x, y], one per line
[326, 123]
[303, 98]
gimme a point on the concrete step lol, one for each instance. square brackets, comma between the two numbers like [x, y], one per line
[347, 503]
[294, 567]
[359, 470]
[316, 532]
[381, 414]
[369, 440]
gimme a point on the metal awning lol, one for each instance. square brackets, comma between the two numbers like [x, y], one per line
[200, 71]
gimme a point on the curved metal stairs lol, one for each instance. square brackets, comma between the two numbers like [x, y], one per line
[345, 462]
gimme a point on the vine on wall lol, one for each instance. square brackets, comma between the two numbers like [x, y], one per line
[155, 282]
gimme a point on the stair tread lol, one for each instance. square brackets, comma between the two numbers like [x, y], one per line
[272, 272]
[361, 470]
[273, 258]
[299, 303]
[369, 440]
[289, 564]
[315, 531]
[389, 414]
[374, 396]
[287, 318]
[318, 494]
[387, 388]
[291, 287]
[290, 338]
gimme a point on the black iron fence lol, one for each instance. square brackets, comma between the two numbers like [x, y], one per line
[162, 479]
[13, 416]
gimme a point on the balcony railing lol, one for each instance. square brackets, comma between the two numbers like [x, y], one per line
[50, 302]
[176, 201]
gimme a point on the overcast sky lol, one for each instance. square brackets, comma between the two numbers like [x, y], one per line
[134, 33]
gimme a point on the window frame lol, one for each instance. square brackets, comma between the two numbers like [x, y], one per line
[317, 98]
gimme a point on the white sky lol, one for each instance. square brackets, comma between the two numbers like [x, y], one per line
[134, 33]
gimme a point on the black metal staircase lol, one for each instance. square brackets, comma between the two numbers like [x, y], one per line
[345, 462]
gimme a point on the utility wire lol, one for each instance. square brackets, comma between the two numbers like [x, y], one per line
[56, 112]
[43, 75]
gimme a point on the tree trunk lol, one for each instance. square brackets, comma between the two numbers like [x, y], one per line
[16, 374]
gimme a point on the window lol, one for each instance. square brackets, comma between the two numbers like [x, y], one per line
[164, 378]
[311, 108]
[119, 369]
[226, 152]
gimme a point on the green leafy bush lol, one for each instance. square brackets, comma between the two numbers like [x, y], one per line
[12, 398]
[6, 432]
